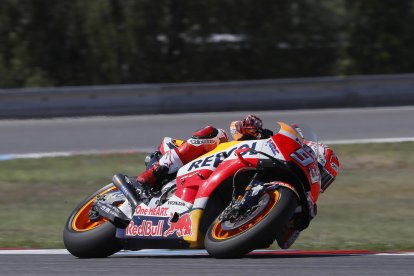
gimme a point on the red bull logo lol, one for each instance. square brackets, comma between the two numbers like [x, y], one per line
[182, 227]
[146, 229]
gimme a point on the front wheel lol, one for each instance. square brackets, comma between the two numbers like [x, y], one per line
[257, 229]
[90, 239]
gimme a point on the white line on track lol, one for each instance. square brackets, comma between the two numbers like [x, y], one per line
[5, 157]
[33, 251]
[396, 254]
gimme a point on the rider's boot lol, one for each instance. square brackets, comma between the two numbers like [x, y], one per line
[154, 175]
[289, 233]
[152, 158]
[288, 236]
[169, 163]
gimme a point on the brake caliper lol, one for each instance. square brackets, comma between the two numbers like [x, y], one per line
[243, 204]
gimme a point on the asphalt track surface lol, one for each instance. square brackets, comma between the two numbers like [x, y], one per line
[291, 263]
[144, 132]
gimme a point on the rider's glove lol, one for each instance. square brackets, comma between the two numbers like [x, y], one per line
[222, 135]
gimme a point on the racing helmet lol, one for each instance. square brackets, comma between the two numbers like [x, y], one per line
[249, 128]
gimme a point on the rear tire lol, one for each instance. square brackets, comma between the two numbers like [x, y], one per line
[90, 241]
[222, 244]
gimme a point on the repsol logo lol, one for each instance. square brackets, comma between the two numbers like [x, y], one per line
[215, 159]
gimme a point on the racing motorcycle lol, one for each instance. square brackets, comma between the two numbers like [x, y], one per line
[235, 199]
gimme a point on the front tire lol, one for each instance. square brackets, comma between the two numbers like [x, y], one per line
[86, 239]
[257, 231]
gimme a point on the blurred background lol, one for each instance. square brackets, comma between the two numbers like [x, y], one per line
[78, 42]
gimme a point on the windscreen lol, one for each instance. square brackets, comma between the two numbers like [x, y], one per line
[306, 132]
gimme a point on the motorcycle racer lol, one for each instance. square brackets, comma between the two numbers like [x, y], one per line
[209, 137]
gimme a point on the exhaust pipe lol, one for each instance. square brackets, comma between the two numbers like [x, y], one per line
[124, 185]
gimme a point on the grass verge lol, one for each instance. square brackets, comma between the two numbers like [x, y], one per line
[369, 206]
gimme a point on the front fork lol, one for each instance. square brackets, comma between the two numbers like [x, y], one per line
[247, 201]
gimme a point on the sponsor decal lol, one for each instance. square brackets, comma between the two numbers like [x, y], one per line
[146, 229]
[153, 212]
[314, 174]
[233, 131]
[333, 164]
[321, 150]
[321, 159]
[158, 223]
[182, 227]
[188, 176]
[309, 149]
[179, 203]
[272, 147]
[202, 141]
[302, 157]
[182, 179]
[215, 159]
[334, 167]
[114, 196]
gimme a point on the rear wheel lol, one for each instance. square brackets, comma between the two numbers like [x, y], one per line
[84, 238]
[254, 229]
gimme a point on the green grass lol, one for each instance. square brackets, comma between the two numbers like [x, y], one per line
[37, 195]
[369, 206]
